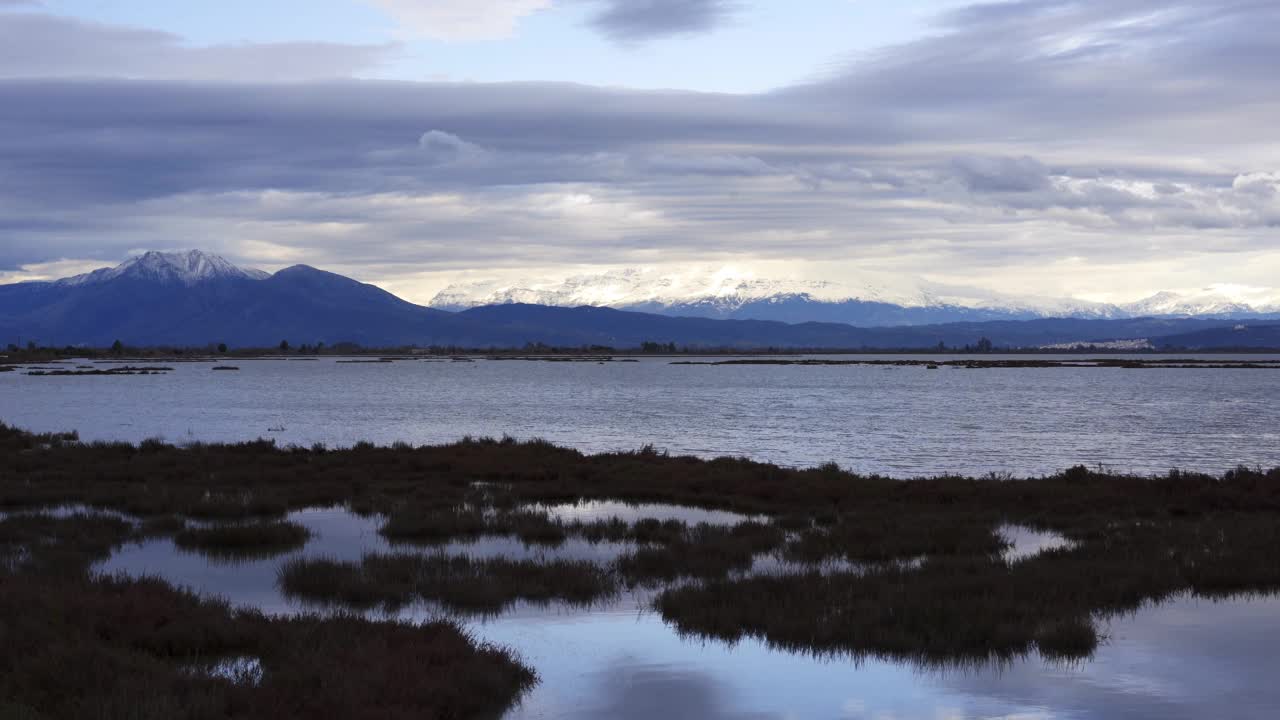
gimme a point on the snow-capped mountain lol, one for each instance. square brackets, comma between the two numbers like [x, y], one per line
[725, 289]
[865, 299]
[191, 267]
[1219, 301]
[195, 299]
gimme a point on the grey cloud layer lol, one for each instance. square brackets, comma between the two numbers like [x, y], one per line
[39, 45]
[638, 20]
[1023, 134]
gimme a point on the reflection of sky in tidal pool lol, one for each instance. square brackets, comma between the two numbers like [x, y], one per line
[1187, 659]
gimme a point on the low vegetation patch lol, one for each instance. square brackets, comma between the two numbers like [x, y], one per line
[244, 540]
[75, 645]
[459, 583]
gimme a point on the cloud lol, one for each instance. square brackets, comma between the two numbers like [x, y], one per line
[1042, 70]
[626, 21]
[47, 46]
[632, 692]
[1264, 185]
[52, 270]
[640, 20]
[701, 164]
[1042, 145]
[1001, 174]
[460, 19]
[439, 147]
[1234, 636]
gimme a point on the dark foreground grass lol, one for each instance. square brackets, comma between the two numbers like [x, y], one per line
[972, 608]
[703, 552]
[434, 526]
[243, 540]
[459, 583]
[1134, 539]
[77, 646]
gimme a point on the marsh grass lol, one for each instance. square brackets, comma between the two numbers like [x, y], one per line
[879, 538]
[1133, 539]
[976, 608]
[75, 645]
[460, 583]
[702, 551]
[243, 540]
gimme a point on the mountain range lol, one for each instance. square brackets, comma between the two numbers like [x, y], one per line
[862, 299]
[195, 299]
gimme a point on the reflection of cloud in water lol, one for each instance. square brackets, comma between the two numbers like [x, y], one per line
[1028, 542]
[643, 692]
[589, 510]
[1190, 658]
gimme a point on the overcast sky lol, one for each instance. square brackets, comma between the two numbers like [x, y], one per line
[1102, 149]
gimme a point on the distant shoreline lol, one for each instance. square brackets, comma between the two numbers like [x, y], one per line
[170, 354]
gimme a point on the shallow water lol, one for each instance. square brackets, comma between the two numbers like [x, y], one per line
[592, 510]
[903, 421]
[1185, 659]
[1028, 542]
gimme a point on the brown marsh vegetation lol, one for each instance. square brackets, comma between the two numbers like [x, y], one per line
[243, 540]
[75, 645]
[927, 579]
[459, 583]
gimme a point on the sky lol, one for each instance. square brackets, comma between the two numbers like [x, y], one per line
[1104, 150]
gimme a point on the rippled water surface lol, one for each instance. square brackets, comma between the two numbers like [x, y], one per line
[1189, 658]
[903, 421]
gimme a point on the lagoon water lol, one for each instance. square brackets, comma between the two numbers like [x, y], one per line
[901, 421]
[1188, 658]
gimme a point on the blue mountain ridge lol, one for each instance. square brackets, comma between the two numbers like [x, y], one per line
[142, 306]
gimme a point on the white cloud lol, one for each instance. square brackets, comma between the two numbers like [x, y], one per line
[1263, 185]
[52, 270]
[460, 19]
[442, 148]
[48, 46]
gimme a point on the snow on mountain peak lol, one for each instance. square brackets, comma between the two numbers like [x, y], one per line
[649, 286]
[728, 288]
[190, 267]
[1222, 299]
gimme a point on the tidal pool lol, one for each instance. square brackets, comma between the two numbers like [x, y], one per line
[1188, 658]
